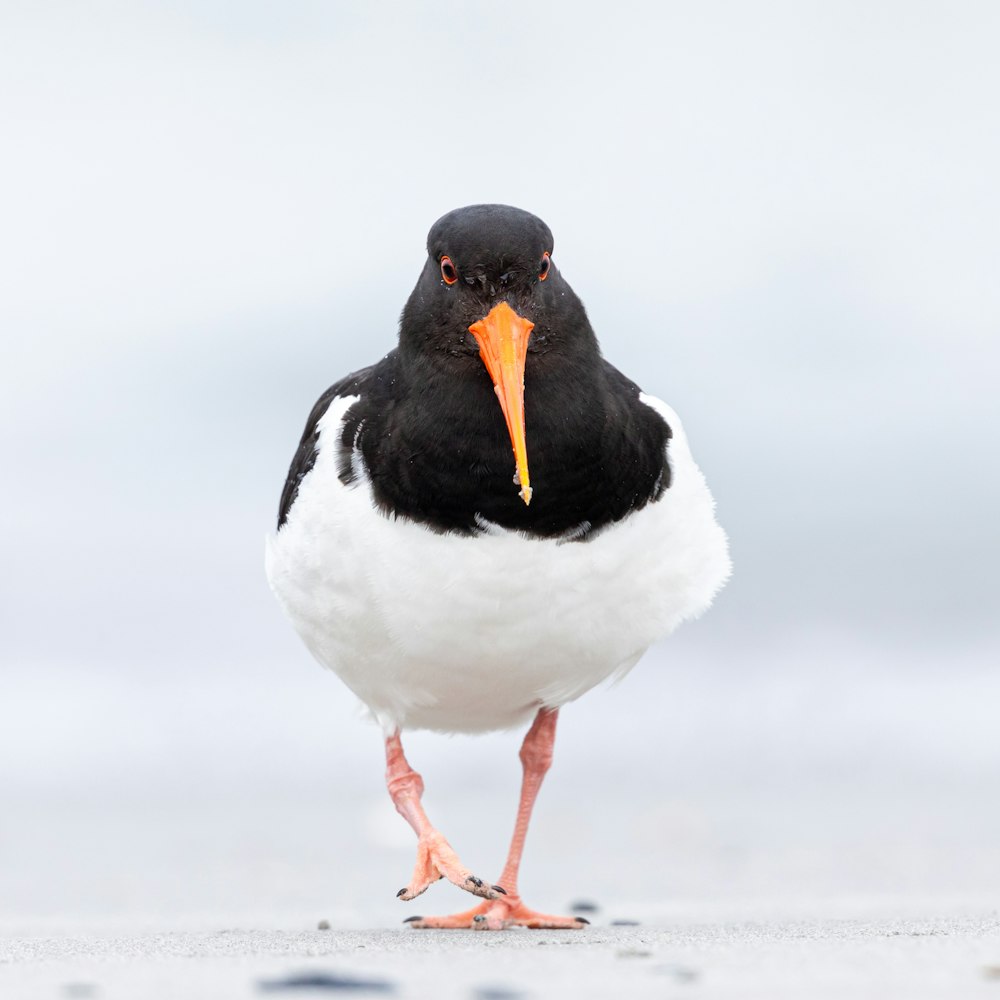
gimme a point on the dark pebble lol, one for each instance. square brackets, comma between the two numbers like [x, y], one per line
[324, 981]
[497, 993]
[584, 906]
[624, 923]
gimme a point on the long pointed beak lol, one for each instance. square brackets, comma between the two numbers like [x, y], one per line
[502, 335]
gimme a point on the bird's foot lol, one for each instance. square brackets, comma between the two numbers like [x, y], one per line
[436, 860]
[497, 915]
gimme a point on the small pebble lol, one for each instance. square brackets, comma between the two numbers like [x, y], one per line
[584, 906]
[624, 923]
[80, 990]
[323, 925]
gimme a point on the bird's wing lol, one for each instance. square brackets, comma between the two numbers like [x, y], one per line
[305, 454]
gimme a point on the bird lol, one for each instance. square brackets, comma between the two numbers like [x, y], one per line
[488, 522]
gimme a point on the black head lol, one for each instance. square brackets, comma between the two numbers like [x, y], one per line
[477, 257]
[497, 406]
[492, 246]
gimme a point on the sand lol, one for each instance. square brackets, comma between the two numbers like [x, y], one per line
[954, 956]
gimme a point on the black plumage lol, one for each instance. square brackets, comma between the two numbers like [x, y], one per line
[432, 438]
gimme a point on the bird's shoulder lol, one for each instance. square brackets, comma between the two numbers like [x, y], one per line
[637, 430]
[365, 384]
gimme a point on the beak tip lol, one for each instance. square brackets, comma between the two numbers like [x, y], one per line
[525, 495]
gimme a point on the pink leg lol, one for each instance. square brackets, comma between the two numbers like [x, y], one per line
[509, 910]
[435, 857]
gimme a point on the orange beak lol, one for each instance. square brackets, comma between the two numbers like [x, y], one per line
[503, 345]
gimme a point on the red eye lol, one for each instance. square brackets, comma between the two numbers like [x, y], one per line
[543, 271]
[448, 272]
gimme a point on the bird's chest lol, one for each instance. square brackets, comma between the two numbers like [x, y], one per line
[464, 632]
[453, 466]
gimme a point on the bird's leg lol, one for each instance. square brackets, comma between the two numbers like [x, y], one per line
[536, 759]
[508, 910]
[435, 857]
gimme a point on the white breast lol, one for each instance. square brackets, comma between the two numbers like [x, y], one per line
[466, 634]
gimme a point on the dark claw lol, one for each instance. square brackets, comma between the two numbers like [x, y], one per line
[500, 889]
[477, 882]
[478, 918]
[401, 891]
[410, 920]
[582, 920]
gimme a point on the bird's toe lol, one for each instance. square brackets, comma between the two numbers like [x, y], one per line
[437, 860]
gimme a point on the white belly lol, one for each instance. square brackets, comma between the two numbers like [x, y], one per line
[466, 634]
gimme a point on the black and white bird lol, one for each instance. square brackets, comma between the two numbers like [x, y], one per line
[489, 522]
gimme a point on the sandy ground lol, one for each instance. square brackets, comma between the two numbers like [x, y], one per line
[950, 957]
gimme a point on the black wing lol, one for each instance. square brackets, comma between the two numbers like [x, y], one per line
[305, 454]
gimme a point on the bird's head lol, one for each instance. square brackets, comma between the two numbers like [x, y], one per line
[490, 295]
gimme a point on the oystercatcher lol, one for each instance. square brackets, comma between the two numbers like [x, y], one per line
[487, 523]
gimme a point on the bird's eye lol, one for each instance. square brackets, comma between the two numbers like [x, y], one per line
[543, 271]
[448, 271]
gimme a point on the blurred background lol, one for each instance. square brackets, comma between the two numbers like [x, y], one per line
[783, 219]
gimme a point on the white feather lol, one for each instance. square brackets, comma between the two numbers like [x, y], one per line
[471, 633]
